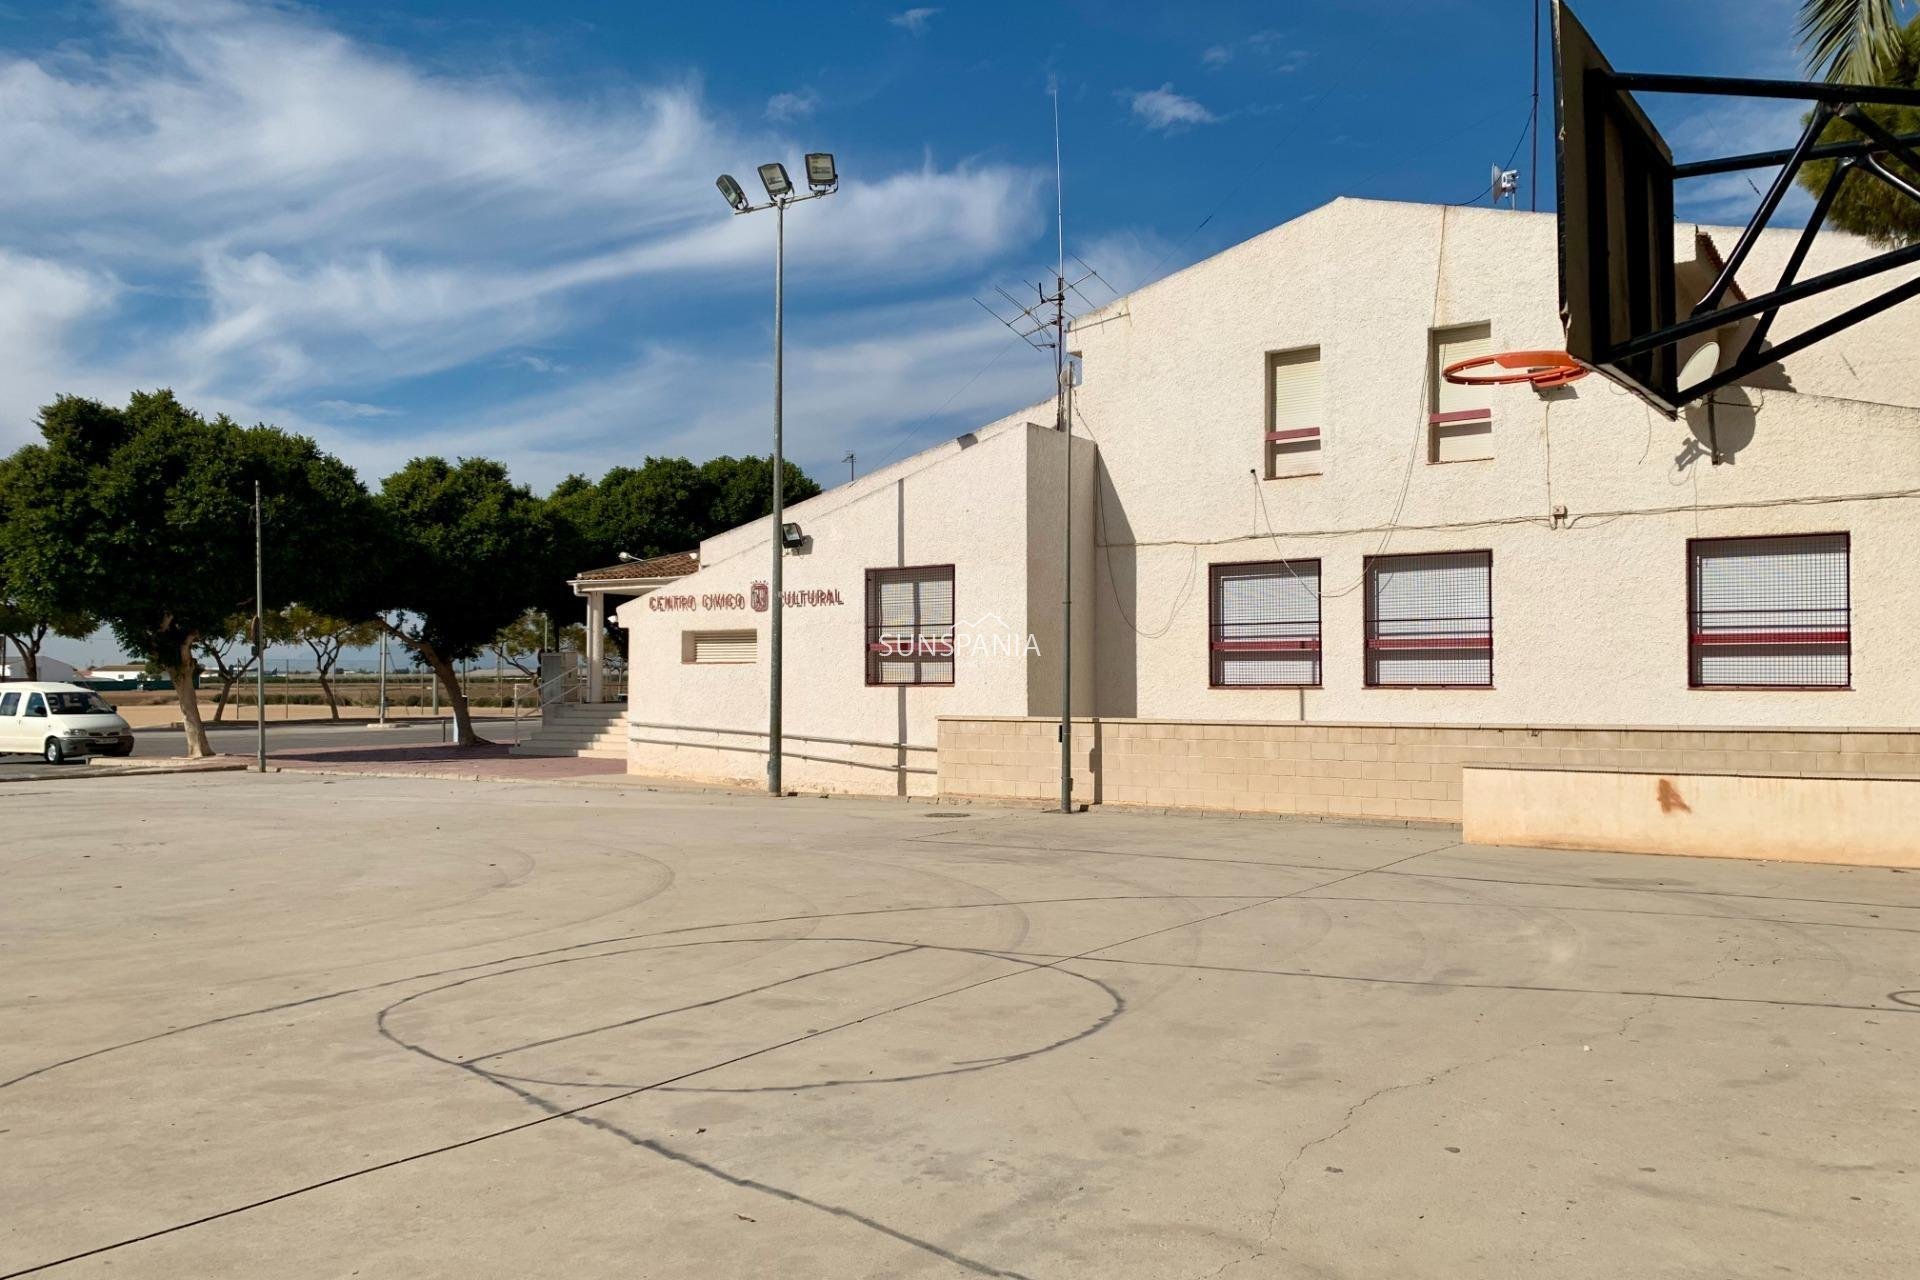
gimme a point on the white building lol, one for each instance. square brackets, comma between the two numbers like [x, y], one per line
[1282, 518]
[14, 667]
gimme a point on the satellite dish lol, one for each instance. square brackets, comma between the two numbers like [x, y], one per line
[1701, 365]
[1724, 427]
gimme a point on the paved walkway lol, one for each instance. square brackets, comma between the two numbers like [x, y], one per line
[304, 1028]
[438, 760]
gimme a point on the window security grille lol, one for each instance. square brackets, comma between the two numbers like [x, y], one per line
[910, 626]
[1296, 410]
[1264, 628]
[1770, 612]
[1429, 620]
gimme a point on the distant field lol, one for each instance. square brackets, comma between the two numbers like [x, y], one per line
[408, 696]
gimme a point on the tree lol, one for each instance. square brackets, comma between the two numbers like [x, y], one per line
[327, 637]
[668, 504]
[224, 647]
[143, 516]
[29, 607]
[1847, 40]
[741, 490]
[470, 552]
[1866, 205]
[521, 641]
[25, 629]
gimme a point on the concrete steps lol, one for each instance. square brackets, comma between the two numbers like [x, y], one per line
[594, 730]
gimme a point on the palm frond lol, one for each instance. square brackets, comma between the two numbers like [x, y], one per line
[1846, 40]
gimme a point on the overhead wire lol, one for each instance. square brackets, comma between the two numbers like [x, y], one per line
[1152, 273]
[1511, 157]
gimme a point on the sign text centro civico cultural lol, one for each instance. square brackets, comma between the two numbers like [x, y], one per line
[804, 598]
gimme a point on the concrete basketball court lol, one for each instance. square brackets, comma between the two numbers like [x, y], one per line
[295, 1026]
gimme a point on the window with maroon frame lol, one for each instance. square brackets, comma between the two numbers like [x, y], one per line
[1430, 620]
[1263, 625]
[1770, 612]
[910, 626]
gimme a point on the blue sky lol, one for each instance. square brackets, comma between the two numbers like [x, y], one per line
[490, 228]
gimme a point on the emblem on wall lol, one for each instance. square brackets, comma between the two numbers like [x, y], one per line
[760, 597]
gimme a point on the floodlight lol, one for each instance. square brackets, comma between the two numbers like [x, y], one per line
[821, 175]
[790, 536]
[774, 178]
[731, 190]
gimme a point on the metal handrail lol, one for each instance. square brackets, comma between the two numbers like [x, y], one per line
[540, 701]
[785, 736]
[791, 755]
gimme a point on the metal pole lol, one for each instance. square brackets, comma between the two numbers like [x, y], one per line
[383, 679]
[1066, 599]
[259, 638]
[1533, 174]
[1063, 410]
[774, 631]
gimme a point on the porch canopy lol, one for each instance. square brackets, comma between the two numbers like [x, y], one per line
[628, 578]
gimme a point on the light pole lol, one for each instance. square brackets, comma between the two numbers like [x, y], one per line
[383, 677]
[822, 180]
[259, 638]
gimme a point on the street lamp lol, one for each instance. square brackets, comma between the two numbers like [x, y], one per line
[822, 180]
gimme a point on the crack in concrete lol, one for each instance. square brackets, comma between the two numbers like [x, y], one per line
[1353, 1114]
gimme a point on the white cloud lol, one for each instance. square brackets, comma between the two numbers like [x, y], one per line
[1165, 110]
[914, 20]
[45, 308]
[1267, 50]
[883, 384]
[538, 364]
[1129, 259]
[1730, 127]
[327, 218]
[797, 105]
[354, 409]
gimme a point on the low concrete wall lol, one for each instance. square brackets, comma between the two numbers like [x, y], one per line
[738, 757]
[1861, 821]
[1410, 772]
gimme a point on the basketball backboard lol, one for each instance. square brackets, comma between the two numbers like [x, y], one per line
[1619, 289]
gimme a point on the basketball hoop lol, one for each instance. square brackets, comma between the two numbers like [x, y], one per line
[1544, 369]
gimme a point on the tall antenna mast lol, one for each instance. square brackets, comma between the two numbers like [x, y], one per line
[1059, 187]
[1030, 323]
[1533, 174]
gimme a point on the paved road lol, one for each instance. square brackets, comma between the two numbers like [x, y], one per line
[239, 740]
[310, 1027]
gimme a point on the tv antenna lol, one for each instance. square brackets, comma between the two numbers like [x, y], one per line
[1043, 326]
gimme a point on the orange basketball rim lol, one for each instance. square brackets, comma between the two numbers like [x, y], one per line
[1544, 369]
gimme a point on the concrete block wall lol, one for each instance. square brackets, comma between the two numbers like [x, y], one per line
[1014, 758]
[1404, 772]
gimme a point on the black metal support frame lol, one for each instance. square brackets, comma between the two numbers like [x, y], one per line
[1866, 155]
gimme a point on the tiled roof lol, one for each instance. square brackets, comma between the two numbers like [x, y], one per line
[675, 565]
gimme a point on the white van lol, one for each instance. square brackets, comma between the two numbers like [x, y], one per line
[60, 722]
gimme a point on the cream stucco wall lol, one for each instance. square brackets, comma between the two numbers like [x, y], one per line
[1589, 612]
[971, 503]
[1851, 820]
[1589, 607]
